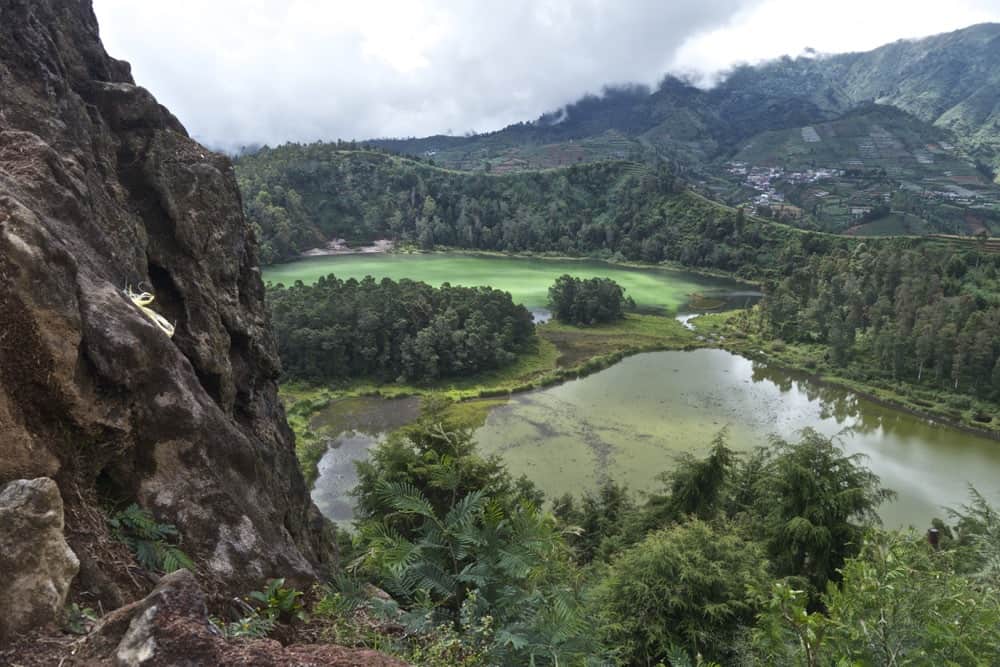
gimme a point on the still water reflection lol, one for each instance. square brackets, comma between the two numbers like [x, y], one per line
[629, 422]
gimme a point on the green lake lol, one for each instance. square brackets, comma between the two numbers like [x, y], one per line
[526, 278]
[631, 420]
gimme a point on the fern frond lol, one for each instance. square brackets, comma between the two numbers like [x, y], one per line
[147, 554]
[173, 559]
[406, 498]
[465, 511]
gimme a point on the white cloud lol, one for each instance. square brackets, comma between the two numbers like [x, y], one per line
[779, 27]
[273, 71]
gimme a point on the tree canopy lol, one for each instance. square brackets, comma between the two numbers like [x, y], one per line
[395, 330]
[587, 300]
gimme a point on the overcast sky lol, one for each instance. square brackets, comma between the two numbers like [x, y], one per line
[297, 70]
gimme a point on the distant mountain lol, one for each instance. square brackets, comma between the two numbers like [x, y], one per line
[951, 81]
[905, 138]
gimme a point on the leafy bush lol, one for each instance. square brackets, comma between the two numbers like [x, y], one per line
[79, 620]
[279, 603]
[688, 586]
[900, 603]
[154, 544]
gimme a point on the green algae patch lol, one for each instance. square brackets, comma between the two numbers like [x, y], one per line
[526, 278]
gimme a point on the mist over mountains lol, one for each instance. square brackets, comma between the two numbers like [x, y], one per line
[951, 81]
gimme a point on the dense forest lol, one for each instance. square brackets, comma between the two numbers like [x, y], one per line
[391, 330]
[587, 300]
[929, 315]
[300, 196]
[772, 557]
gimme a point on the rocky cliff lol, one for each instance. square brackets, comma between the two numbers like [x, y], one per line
[101, 188]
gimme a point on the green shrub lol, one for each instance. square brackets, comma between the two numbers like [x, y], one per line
[279, 603]
[79, 620]
[959, 402]
[687, 585]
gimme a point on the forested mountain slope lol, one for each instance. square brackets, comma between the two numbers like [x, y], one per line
[951, 80]
[299, 196]
[904, 139]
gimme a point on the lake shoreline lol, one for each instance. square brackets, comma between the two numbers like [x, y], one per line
[590, 350]
[505, 417]
[846, 385]
[394, 249]
[862, 389]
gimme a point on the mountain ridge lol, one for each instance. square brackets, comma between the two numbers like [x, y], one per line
[951, 80]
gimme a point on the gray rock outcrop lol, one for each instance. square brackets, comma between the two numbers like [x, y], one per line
[101, 188]
[37, 565]
[170, 627]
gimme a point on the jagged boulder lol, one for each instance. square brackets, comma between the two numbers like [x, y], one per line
[170, 627]
[37, 565]
[101, 188]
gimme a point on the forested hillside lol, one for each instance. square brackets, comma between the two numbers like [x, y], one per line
[926, 315]
[298, 196]
[770, 558]
[904, 139]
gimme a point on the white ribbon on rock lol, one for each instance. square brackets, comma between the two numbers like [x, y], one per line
[142, 300]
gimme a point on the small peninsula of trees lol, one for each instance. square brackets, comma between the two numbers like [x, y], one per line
[391, 330]
[587, 300]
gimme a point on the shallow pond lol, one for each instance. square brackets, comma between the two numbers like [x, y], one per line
[630, 421]
[351, 427]
[526, 278]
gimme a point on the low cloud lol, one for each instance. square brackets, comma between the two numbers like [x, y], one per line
[260, 71]
[272, 71]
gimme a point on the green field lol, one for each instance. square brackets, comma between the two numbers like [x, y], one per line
[527, 279]
[893, 224]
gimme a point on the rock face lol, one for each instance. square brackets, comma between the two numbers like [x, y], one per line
[36, 562]
[101, 188]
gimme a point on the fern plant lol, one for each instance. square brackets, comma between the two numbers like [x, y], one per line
[500, 573]
[251, 626]
[153, 543]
